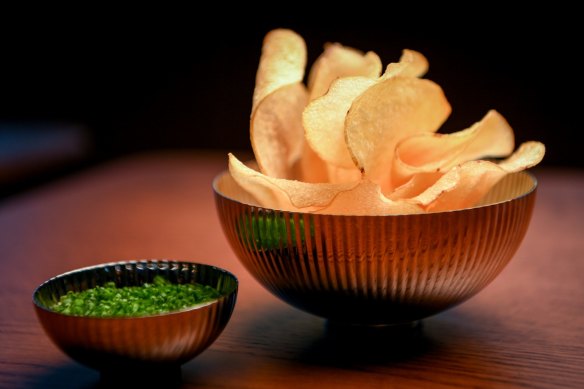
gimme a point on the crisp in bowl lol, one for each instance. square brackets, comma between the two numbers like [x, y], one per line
[115, 343]
[377, 270]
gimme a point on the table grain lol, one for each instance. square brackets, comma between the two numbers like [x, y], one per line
[526, 329]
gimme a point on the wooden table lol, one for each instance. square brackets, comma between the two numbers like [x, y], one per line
[526, 329]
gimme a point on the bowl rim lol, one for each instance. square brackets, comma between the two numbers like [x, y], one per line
[526, 172]
[224, 296]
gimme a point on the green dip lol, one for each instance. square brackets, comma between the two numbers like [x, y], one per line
[160, 296]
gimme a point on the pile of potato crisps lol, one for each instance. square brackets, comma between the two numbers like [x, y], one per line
[358, 140]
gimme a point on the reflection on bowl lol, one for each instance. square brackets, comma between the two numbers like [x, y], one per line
[370, 270]
[168, 339]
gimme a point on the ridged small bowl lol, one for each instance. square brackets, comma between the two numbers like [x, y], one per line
[378, 270]
[163, 340]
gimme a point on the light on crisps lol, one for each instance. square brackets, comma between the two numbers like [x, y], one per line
[366, 199]
[277, 136]
[358, 198]
[282, 63]
[384, 115]
[276, 130]
[431, 152]
[355, 142]
[411, 64]
[288, 194]
[338, 61]
[466, 184]
[324, 120]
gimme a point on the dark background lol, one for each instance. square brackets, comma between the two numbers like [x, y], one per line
[184, 79]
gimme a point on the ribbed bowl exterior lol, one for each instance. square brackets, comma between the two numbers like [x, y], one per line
[379, 269]
[112, 343]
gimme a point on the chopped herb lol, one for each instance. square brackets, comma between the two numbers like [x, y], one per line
[160, 296]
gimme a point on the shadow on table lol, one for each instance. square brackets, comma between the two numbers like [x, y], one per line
[69, 375]
[283, 332]
[74, 375]
[286, 333]
[345, 345]
[432, 344]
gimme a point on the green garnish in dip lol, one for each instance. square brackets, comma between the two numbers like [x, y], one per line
[160, 296]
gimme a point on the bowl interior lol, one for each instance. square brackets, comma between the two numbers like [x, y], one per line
[133, 273]
[511, 187]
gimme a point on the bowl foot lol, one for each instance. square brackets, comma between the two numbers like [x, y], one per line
[399, 331]
[147, 376]
[369, 344]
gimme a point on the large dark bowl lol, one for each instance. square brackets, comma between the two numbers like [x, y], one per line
[373, 270]
[168, 339]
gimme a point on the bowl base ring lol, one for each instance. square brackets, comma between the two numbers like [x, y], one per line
[400, 330]
[153, 374]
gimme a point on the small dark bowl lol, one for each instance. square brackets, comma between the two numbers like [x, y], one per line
[164, 340]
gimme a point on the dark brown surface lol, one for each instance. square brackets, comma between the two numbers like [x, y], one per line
[524, 329]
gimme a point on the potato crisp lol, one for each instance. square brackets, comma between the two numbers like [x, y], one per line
[358, 140]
